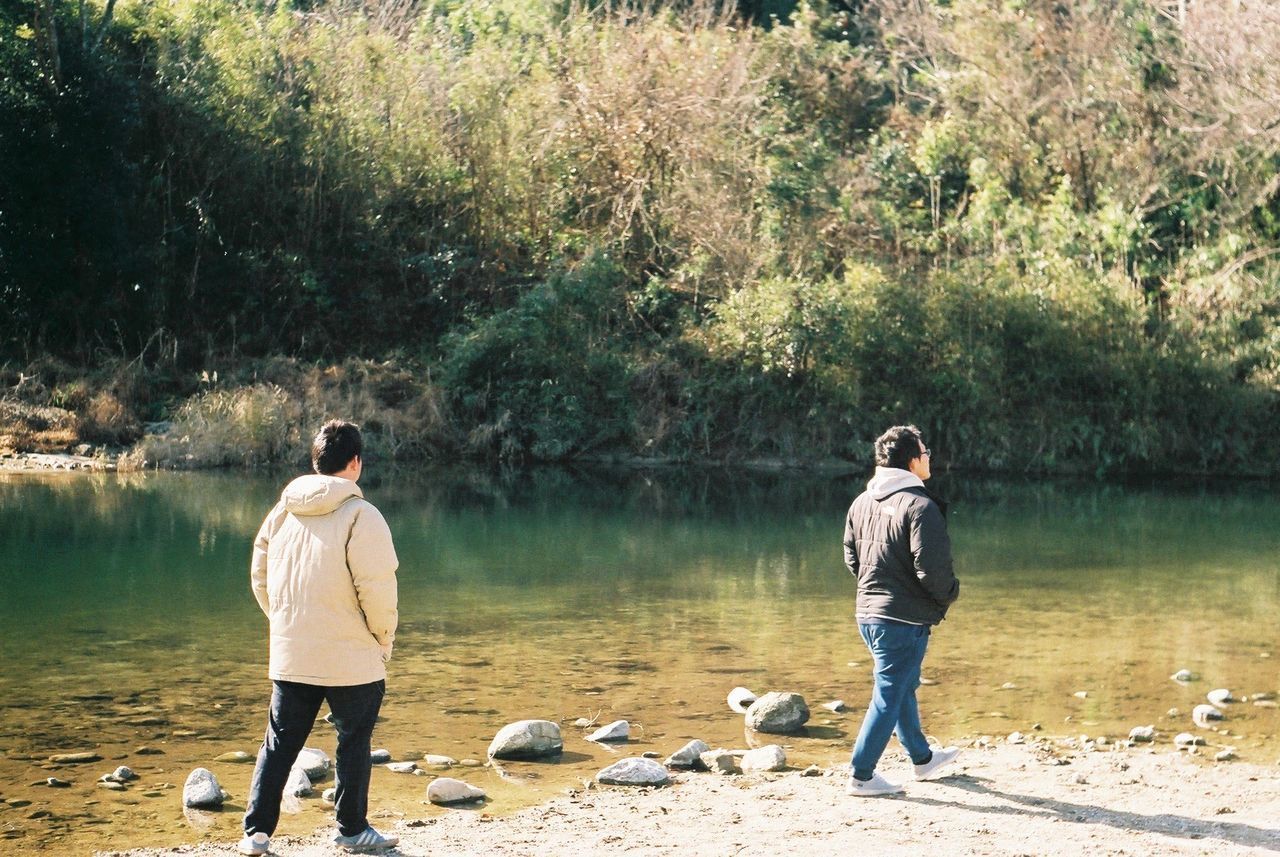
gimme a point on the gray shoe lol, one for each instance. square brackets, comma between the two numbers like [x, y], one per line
[367, 840]
[255, 845]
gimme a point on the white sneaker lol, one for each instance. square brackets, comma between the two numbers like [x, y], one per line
[932, 769]
[877, 785]
[258, 843]
[367, 840]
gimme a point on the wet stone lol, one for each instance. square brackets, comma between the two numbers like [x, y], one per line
[74, 758]
[439, 761]
[402, 767]
[111, 785]
[236, 757]
[380, 756]
[54, 782]
[202, 790]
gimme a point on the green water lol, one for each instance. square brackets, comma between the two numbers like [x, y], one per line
[126, 620]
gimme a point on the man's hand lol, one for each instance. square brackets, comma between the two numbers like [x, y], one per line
[386, 651]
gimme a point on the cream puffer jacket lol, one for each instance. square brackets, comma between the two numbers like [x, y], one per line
[324, 572]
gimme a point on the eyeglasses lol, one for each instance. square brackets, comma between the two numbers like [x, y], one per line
[924, 450]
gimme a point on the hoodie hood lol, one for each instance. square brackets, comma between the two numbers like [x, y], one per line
[316, 494]
[890, 480]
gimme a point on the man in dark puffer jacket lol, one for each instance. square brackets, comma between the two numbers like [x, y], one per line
[896, 545]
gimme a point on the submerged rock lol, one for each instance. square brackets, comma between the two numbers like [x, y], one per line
[769, 758]
[74, 758]
[1186, 739]
[778, 713]
[618, 730]
[1203, 715]
[315, 763]
[445, 791]
[298, 784]
[1183, 676]
[438, 761]
[634, 772]
[236, 757]
[689, 755]
[527, 739]
[202, 790]
[1220, 696]
[740, 699]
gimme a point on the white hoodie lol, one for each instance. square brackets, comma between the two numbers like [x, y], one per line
[324, 572]
[890, 480]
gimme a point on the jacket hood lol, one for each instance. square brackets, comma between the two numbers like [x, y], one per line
[316, 494]
[890, 480]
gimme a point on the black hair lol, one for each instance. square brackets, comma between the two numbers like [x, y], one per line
[898, 446]
[337, 442]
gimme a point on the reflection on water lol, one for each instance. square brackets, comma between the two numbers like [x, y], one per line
[127, 622]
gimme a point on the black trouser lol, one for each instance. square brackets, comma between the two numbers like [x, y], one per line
[294, 707]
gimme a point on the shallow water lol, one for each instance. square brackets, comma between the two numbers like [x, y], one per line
[127, 622]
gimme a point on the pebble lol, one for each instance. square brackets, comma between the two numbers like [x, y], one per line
[811, 771]
[402, 767]
[123, 774]
[1266, 703]
[112, 785]
[618, 730]
[584, 723]
[74, 758]
[148, 751]
[835, 705]
[19, 803]
[1183, 676]
[1225, 755]
[1081, 694]
[1186, 739]
[1220, 696]
[57, 783]
[330, 795]
[378, 757]
[688, 756]
[1016, 738]
[440, 761]
[471, 763]
[1202, 715]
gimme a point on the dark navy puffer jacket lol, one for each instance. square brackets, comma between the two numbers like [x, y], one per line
[896, 545]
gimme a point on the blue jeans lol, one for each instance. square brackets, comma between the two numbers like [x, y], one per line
[898, 651]
[294, 707]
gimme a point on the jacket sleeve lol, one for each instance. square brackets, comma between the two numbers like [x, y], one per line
[850, 545]
[371, 556]
[931, 554]
[258, 564]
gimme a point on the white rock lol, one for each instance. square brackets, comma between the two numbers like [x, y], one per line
[767, 758]
[1016, 738]
[202, 790]
[1142, 733]
[379, 757]
[740, 699]
[298, 784]
[314, 763]
[778, 713]
[330, 795]
[720, 761]
[1203, 715]
[835, 705]
[1221, 696]
[444, 791]
[1225, 755]
[1183, 676]
[402, 767]
[526, 739]
[584, 723]
[439, 761]
[688, 756]
[618, 730]
[1186, 739]
[635, 771]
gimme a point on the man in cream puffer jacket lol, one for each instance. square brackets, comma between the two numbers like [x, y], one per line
[324, 573]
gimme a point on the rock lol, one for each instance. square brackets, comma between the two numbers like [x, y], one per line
[1141, 734]
[111, 785]
[835, 705]
[74, 758]
[688, 756]
[1266, 703]
[314, 763]
[526, 739]
[378, 757]
[471, 763]
[1016, 738]
[634, 772]
[1221, 696]
[740, 699]
[1186, 739]
[236, 757]
[1203, 715]
[54, 782]
[445, 791]
[440, 761]
[123, 774]
[298, 784]
[584, 723]
[1264, 696]
[1081, 694]
[811, 771]
[402, 767]
[720, 762]
[778, 713]
[149, 751]
[1173, 712]
[769, 758]
[1225, 755]
[1183, 676]
[202, 790]
[618, 730]
[1102, 741]
[651, 754]
[330, 795]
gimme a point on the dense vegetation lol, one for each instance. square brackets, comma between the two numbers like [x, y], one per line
[1044, 231]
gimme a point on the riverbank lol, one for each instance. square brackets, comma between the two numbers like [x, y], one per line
[1002, 799]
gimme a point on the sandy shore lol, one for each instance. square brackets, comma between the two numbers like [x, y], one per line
[1003, 799]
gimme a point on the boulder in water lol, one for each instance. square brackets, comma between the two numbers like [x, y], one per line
[527, 739]
[202, 791]
[778, 713]
[445, 791]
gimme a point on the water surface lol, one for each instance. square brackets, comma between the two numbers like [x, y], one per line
[126, 621]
